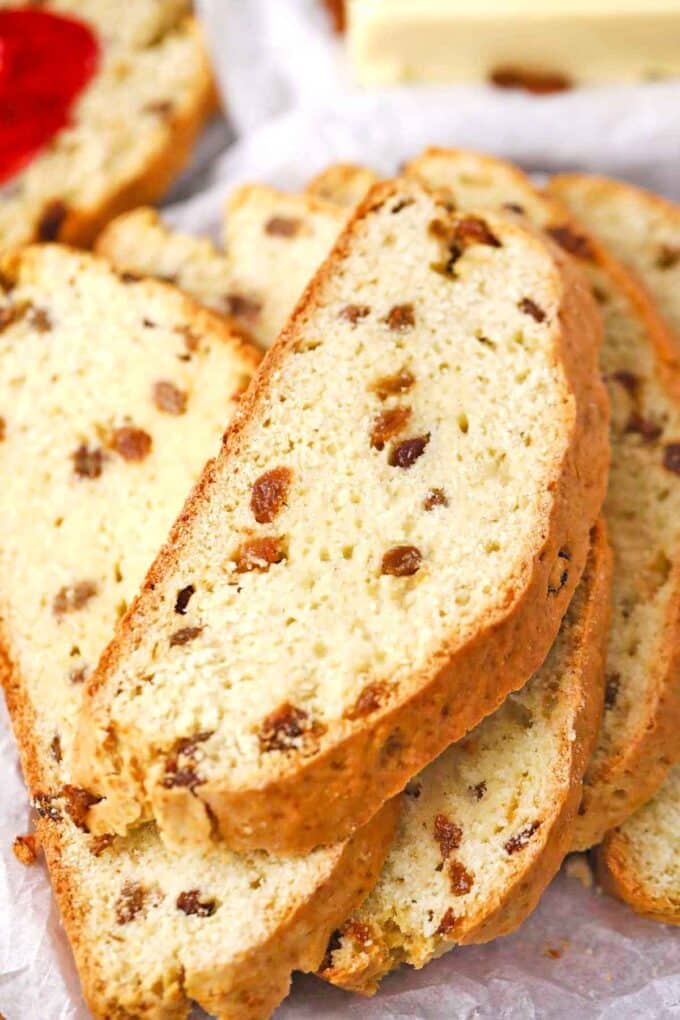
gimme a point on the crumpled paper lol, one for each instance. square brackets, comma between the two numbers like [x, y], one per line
[581, 956]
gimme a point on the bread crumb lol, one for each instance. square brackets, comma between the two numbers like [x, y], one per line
[26, 848]
[577, 867]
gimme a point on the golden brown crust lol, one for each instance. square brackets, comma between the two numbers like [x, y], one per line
[623, 782]
[80, 226]
[361, 771]
[616, 875]
[512, 904]
[344, 184]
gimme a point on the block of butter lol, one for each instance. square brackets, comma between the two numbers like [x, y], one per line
[542, 44]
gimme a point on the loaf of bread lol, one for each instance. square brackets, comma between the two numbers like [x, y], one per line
[640, 229]
[486, 826]
[640, 861]
[386, 546]
[100, 442]
[130, 131]
[638, 741]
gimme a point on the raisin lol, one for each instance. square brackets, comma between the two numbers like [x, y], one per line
[668, 257]
[183, 597]
[611, 690]
[401, 317]
[576, 244]
[447, 923]
[473, 230]
[530, 307]
[130, 443]
[404, 455]
[538, 83]
[282, 226]
[183, 772]
[391, 385]
[448, 835]
[191, 903]
[39, 320]
[478, 790]
[671, 458]
[184, 635]
[87, 463]
[99, 844]
[259, 554]
[78, 802]
[287, 728]
[644, 427]
[71, 598]
[434, 498]
[460, 879]
[26, 848]
[269, 494]
[50, 222]
[45, 806]
[79, 675]
[388, 424]
[3, 429]
[521, 839]
[129, 277]
[401, 561]
[243, 307]
[352, 313]
[55, 748]
[370, 700]
[514, 207]
[169, 398]
[130, 903]
[161, 107]
[628, 380]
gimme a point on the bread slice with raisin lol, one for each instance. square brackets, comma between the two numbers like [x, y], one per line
[274, 243]
[100, 443]
[344, 184]
[638, 740]
[640, 861]
[487, 825]
[153, 66]
[384, 549]
[139, 243]
[639, 228]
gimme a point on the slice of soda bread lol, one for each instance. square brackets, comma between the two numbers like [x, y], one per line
[343, 184]
[638, 741]
[139, 243]
[384, 549]
[487, 825]
[131, 130]
[640, 861]
[274, 243]
[640, 229]
[106, 421]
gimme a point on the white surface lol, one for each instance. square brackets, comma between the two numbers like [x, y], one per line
[614, 966]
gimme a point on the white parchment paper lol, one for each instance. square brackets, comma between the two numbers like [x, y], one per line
[295, 109]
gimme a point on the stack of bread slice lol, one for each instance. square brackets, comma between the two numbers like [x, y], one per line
[387, 594]
[131, 130]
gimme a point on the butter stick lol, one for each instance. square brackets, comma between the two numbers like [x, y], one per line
[542, 44]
